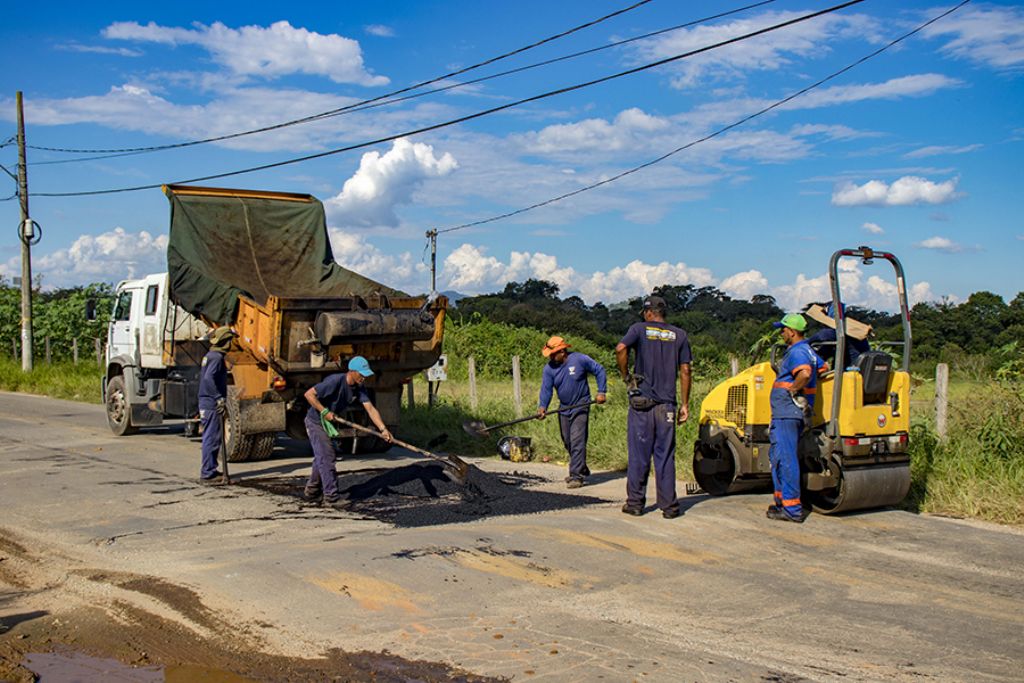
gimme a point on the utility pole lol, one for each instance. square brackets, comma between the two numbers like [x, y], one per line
[432, 236]
[25, 235]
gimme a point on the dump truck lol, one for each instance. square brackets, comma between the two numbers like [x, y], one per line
[262, 263]
[854, 450]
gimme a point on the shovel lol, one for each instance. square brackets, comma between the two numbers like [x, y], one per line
[479, 429]
[455, 468]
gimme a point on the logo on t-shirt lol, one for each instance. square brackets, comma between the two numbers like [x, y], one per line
[658, 334]
[572, 369]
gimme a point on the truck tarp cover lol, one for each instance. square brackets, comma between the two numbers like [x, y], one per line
[229, 242]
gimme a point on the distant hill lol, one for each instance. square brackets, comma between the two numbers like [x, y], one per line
[453, 296]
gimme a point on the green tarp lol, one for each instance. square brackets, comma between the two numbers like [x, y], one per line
[223, 244]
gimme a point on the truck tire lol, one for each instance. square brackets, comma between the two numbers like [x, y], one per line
[119, 414]
[244, 447]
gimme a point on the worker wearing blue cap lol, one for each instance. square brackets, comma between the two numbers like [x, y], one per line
[334, 395]
[792, 401]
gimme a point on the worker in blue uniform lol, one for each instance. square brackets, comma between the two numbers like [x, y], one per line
[213, 393]
[825, 340]
[792, 402]
[566, 372]
[661, 355]
[329, 398]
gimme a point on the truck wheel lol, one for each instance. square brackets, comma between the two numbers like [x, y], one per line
[262, 445]
[244, 447]
[119, 415]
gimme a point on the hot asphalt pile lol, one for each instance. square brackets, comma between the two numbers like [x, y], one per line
[420, 494]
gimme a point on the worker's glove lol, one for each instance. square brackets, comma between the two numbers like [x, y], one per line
[632, 385]
[801, 403]
[222, 407]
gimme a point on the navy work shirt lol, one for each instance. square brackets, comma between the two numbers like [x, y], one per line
[659, 349]
[213, 380]
[337, 395]
[569, 379]
[827, 336]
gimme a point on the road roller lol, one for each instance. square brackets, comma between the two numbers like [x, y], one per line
[854, 449]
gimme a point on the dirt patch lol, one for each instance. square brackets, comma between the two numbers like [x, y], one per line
[182, 600]
[421, 495]
[143, 640]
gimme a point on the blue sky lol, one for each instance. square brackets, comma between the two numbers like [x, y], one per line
[917, 151]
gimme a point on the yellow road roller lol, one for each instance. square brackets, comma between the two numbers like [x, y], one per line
[854, 450]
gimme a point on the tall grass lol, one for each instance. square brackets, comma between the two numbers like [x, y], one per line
[978, 471]
[64, 379]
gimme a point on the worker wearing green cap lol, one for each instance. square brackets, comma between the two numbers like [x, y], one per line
[792, 401]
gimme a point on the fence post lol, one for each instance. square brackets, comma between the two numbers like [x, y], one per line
[74, 350]
[412, 395]
[941, 398]
[14, 343]
[47, 349]
[734, 366]
[99, 352]
[517, 393]
[472, 383]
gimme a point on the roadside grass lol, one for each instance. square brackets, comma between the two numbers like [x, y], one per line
[63, 379]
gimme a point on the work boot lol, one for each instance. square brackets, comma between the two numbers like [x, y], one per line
[672, 512]
[635, 510]
[339, 503]
[311, 495]
[216, 480]
[780, 515]
[573, 483]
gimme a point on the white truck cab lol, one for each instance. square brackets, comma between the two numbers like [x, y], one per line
[154, 351]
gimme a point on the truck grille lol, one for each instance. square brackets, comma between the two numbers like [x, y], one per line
[736, 406]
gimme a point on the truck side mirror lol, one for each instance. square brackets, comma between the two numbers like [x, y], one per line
[90, 310]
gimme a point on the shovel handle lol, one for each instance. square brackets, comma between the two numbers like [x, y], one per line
[450, 459]
[537, 417]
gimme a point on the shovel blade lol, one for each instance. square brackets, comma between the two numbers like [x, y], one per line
[475, 428]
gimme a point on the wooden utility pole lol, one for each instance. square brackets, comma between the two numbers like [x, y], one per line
[25, 234]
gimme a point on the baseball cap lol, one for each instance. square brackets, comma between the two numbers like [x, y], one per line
[222, 336]
[554, 344]
[360, 365]
[793, 321]
[655, 303]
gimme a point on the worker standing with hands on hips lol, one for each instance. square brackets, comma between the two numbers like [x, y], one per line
[661, 354]
[792, 402]
[334, 394]
[566, 373]
[213, 408]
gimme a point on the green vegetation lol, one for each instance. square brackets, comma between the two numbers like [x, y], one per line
[61, 380]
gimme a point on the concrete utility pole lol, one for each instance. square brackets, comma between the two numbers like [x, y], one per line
[25, 234]
[432, 236]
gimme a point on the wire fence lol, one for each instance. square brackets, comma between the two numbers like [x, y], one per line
[55, 350]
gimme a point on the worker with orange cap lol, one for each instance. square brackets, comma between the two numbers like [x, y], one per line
[566, 373]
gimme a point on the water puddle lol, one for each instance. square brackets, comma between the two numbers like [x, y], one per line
[55, 667]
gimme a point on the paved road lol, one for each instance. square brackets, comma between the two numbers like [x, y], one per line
[579, 593]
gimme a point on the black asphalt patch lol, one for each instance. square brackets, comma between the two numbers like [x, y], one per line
[421, 495]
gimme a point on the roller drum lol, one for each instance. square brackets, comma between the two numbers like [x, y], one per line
[865, 488]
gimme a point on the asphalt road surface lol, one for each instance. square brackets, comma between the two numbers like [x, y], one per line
[515, 578]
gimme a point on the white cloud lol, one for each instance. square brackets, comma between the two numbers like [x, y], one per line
[384, 182]
[269, 52]
[906, 191]
[935, 150]
[629, 130]
[988, 35]
[399, 271]
[108, 257]
[100, 50]
[941, 244]
[771, 52]
[380, 30]
[873, 228]
[744, 285]
[637, 277]
[917, 85]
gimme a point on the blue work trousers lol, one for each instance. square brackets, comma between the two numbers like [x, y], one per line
[784, 435]
[652, 433]
[213, 428]
[322, 477]
[574, 427]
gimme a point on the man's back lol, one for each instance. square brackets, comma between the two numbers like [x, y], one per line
[660, 348]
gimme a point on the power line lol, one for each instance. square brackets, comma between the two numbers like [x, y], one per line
[385, 100]
[716, 133]
[476, 115]
[332, 112]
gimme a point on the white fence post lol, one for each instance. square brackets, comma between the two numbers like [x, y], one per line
[517, 392]
[941, 399]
